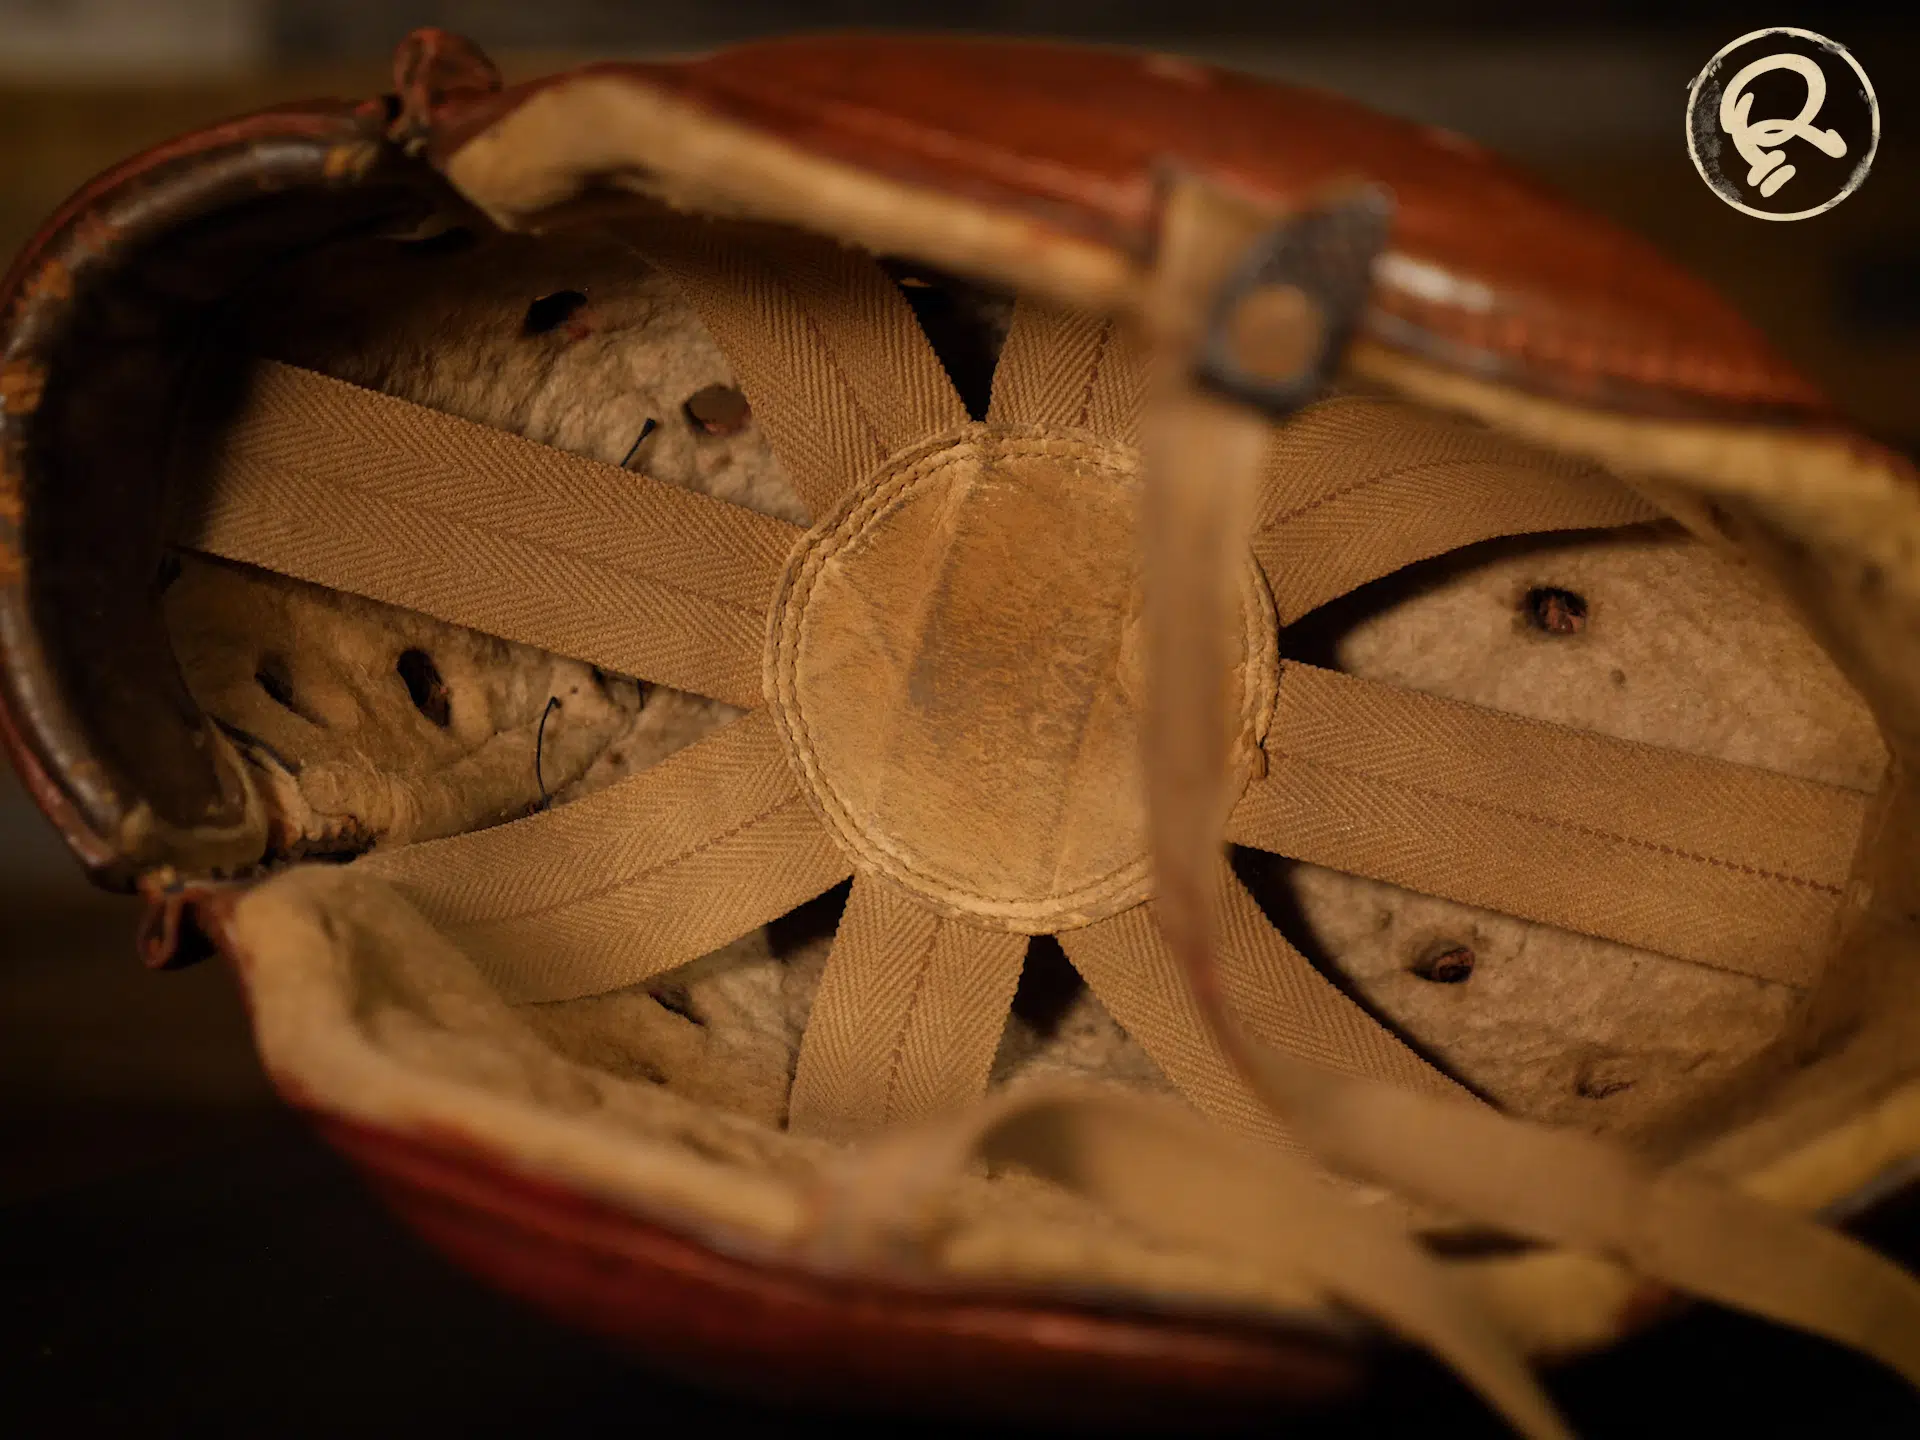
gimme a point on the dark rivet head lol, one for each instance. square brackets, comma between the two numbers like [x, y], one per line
[1445, 965]
[1276, 332]
[717, 410]
[1556, 611]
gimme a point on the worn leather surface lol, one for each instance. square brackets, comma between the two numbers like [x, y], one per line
[1489, 269]
[956, 666]
[101, 311]
[700, 1309]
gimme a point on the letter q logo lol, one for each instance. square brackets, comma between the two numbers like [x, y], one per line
[1800, 116]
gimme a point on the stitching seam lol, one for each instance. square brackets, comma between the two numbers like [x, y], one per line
[1093, 374]
[1571, 827]
[625, 882]
[794, 605]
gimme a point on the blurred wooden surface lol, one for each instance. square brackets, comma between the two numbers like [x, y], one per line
[105, 1067]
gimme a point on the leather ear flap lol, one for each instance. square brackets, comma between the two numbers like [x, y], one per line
[96, 407]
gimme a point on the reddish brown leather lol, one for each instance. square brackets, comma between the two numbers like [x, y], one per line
[92, 711]
[1075, 138]
[790, 1334]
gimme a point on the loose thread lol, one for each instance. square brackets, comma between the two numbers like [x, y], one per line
[539, 746]
[633, 449]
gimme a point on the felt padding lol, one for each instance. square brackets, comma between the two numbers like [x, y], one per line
[1680, 646]
[366, 724]
[669, 1099]
[570, 344]
[363, 1002]
[1549, 1024]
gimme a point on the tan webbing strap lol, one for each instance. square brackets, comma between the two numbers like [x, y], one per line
[1066, 367]
[609, 890]
[1280, 995]
[829, 353]
[1287, 1003]
[907, 1017]
[1170, 1175]
[1563, 1187]
[358, 491]
[1127, 964]
[1722, 864]
[1356, 488]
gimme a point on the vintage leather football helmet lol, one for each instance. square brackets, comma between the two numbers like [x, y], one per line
[697, 634]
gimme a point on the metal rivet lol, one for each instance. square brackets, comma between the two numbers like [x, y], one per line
[1556, 611]
[1445, 964]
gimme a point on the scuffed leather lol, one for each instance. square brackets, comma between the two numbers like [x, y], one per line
[955, 662]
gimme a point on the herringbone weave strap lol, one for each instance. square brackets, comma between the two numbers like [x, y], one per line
[361, 492]
[660, 869]
[1356, 488]
[1125, 961]
[1281, 997]
[907, 1017]
[1722, 864]
[1708, 861]
[1066, 367]
[827, 351]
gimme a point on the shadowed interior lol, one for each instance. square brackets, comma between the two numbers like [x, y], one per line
[367, 728]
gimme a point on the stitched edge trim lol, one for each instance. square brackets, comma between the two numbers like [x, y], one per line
[866, 505]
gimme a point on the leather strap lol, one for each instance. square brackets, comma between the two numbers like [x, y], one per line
[1172, 1176]
[1276, 991]
[1561, 1187]
[1196, 518]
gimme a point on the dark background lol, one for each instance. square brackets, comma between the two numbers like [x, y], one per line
[176, 1257]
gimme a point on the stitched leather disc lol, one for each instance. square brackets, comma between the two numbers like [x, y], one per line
[955, 664]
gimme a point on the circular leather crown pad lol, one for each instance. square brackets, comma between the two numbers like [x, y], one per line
[955, 665]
